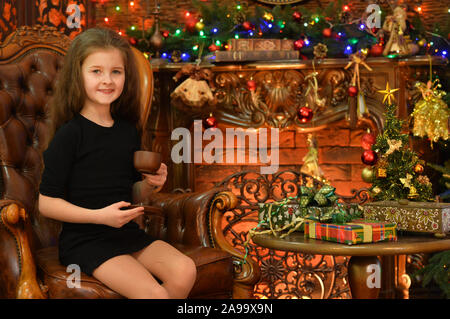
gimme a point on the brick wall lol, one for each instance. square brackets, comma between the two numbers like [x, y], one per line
[339, 157]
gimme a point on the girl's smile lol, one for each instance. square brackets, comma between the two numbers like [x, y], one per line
[103, 76]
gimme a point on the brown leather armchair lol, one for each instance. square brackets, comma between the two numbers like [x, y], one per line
[29, 266]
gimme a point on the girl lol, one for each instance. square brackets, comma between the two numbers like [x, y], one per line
[89, 176]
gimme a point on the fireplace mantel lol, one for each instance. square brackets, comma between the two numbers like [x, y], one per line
[280, 87]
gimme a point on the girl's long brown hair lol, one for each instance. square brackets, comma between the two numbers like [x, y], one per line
[69, 94]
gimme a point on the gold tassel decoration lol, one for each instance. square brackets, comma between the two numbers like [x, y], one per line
[431, 112]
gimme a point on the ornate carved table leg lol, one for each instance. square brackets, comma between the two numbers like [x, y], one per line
[364, 276]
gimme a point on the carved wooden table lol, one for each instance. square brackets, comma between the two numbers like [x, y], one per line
[363, 256]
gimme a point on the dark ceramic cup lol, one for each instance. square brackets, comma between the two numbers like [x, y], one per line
[147, 162]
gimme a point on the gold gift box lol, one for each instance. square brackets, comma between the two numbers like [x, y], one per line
[410, 216]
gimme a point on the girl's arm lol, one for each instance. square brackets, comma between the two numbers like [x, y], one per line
[112, 215]
[151, 184]
[62, 210]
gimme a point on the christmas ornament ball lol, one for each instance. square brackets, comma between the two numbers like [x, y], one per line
[367, 141]
[305, 114]
[418, 169]
[376, 50]
[299, 44]
[422, 42]
[352, 91]
[213, 47]
[369, 157]
[199, 26]
[367, 174]
[327, 32]
[210, 122]
[297, 16]
[251, 85]
[133, 41]
[248, 25]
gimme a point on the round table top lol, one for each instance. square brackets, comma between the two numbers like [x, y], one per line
[404, 245]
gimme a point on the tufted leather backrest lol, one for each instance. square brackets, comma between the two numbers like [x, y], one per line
[29, 62]
[27, 78]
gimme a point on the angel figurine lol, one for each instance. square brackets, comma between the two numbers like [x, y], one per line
[396, 26]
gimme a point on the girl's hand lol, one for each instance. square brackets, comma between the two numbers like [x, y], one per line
[113, 216]
[157, 179]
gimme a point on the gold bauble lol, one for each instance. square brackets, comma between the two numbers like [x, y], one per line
[418, 169]
[199, 26]
[367, 174]
[422, 42]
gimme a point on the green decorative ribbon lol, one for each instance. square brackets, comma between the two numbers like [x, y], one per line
[325, 196]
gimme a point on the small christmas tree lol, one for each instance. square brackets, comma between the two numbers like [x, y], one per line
[399, 171]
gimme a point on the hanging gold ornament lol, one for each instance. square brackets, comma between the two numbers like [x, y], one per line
[367, 174]
[381, 172]
[413, 193]
[388, 93]
[312, 91]
[431, 113]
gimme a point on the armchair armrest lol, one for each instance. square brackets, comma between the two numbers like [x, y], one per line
[18, 276]
[196, 219]
[247, 271]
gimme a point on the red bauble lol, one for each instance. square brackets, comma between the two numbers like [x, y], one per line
[299, 44]
[376, 50]
[352, 91]
[190, 24]
[367, 141]
[251, 85]
[327, 32]
[305, 114]
[248, 26]
[297, 16]
[132, 41]
[369, 157]
[165, 34]
[210, 122]
[213, 47]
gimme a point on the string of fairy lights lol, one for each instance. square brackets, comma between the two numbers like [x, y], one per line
[215, 37]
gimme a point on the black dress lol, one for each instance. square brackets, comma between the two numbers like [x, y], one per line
[91, 166]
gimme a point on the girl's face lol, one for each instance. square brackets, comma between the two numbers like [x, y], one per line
[103, 74]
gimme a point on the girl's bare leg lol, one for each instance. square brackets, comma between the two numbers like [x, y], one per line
[128, 277]
[176, 270]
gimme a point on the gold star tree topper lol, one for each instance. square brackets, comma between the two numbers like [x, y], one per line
[388, 93]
